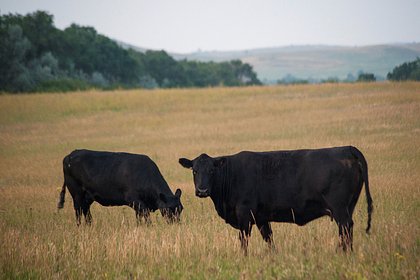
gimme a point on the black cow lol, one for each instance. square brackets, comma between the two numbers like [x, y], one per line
[283, 186]
[114, 179]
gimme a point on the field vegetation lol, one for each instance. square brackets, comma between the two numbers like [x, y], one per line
[38, 130]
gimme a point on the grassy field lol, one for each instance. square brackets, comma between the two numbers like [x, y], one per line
[37, 131]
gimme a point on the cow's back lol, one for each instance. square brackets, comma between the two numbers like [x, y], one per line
[112, 178]
[284, 178]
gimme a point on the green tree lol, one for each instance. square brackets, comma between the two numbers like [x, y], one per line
[14, 47]
[406, 71]
[36, 56]
[165, 70]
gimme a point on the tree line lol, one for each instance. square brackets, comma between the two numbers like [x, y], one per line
[408, 71]
[36, 56]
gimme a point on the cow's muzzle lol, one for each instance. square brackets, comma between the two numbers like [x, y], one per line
[202, 192]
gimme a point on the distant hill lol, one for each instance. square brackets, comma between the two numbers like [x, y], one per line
[316, 62]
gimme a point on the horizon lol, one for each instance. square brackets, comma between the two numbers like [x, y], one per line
[189, 26]
[283, 47]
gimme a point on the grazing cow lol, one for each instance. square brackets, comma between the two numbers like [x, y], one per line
[283, 186]
[114, 179]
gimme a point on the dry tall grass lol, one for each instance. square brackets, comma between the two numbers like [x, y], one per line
[37, 131]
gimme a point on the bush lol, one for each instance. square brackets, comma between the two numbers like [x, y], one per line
[62, 85]
[366, 77]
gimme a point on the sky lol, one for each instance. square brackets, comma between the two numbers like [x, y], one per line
[184, 26]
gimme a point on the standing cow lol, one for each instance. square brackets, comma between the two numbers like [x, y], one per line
[114, 179]
[283, 186]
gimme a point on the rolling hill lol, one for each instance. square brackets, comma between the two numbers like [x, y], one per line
[316, 62]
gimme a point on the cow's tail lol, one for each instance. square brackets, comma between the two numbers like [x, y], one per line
[60, 204]
[364, 168]
[66, 164]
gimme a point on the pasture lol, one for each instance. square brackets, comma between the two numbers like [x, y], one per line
[37, 131]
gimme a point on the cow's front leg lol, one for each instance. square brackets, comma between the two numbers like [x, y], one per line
[145, 213]
[267, 234]
[244, 238]
[141, 212]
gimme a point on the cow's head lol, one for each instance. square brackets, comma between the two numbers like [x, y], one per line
[204, 169]
[171, 206]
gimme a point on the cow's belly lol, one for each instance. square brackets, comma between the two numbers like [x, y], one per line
[110, 202]
[282, 216]
[107, 199]
[299, 216]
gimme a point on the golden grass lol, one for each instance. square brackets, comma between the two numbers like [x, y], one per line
[37, 131]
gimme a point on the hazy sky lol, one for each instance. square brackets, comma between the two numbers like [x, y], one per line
[189, 25]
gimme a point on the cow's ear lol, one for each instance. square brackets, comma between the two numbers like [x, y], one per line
[219, 162]
[163, 198]
[185, 163]
[178, 193]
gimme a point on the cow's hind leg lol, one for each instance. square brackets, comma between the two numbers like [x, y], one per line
[341, 204]
[81, 206]
[267, 233]
[76, 192]
[77, 204]
[86, 209]
[345, 230]
[245, 227]
[345, 226]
